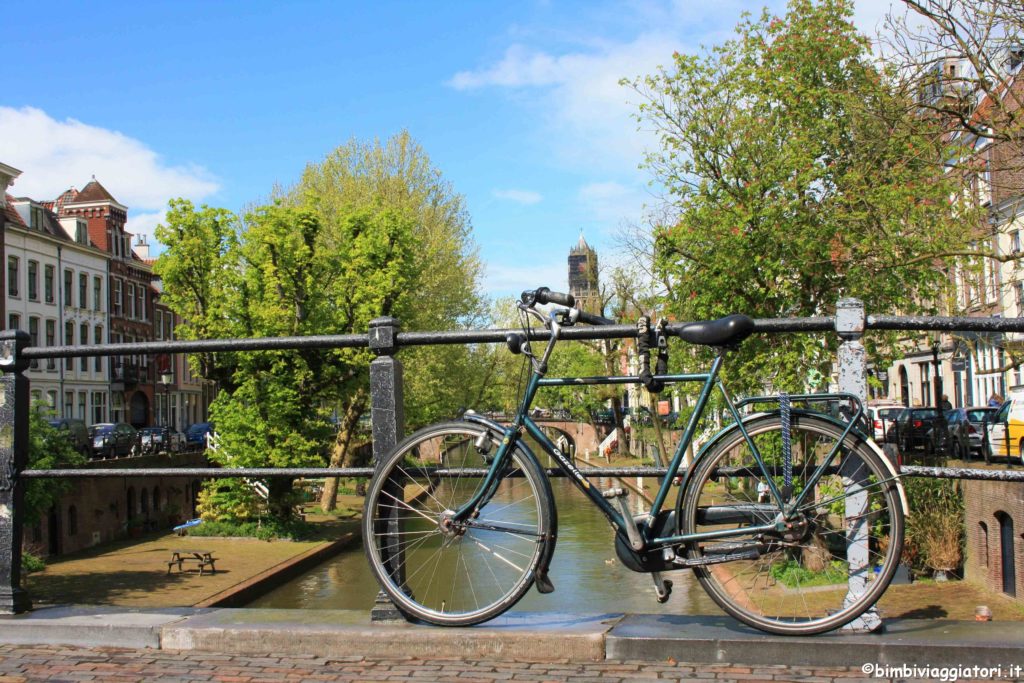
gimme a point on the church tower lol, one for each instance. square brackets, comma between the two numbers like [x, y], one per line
[583, 277]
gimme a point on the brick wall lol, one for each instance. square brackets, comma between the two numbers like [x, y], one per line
[103, 507]
[985, 503]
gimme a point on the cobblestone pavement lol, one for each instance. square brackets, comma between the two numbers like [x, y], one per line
[55, 663]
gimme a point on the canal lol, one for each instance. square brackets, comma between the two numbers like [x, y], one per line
[587, 575]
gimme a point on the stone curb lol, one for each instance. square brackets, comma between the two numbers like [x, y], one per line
[517, 636]
[514, 637]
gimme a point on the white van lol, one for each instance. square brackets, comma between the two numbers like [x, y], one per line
[1005, 431]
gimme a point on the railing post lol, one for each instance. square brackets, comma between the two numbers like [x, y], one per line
[853, 379]
[14, 407]
[387, 420]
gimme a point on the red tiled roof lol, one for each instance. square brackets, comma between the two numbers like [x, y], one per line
[94, 192]
[67, 196]
[10, 215]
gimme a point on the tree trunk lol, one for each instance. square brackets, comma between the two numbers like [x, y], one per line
[353, 411]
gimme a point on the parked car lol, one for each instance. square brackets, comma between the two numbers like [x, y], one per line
[114, 440]
[919, 428]
[76, 432]
[195, 435]
[882, 416]
[1005, 431]
[160, 439]
[967, 429]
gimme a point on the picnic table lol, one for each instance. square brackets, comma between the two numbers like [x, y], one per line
[203, 559]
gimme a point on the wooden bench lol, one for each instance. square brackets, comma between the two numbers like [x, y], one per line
[203, 559]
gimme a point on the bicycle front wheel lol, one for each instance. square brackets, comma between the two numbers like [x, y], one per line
[816, 569]
[445, 572]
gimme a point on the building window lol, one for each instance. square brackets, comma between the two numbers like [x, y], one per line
[159, 326]
[82, 232]
[51, 340]
[14, 321]
[99, 407]
[117, 297]
[98, 338]
[97, 293]
[68, 276]
[12, 276]
[1015, 241]
[69, 404]
[33, 333]
[69, 339]
[131, 300]
[72, 521]
[81, 405]
[83, 290]
[982, 544]
[141, 293]
[33, 280]
[83, 337]
[48, 277]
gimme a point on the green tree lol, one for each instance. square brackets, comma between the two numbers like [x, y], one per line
[796, 175]
[443, 295]
[47, 449]
[373, 230]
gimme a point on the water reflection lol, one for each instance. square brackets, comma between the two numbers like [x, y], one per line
[586, 573]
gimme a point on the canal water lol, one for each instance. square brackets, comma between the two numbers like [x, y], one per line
[588, 577]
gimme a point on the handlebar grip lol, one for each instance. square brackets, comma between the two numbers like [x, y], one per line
[591, 319]
[546, 296]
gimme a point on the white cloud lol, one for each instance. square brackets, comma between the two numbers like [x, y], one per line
[519, 196]
[55, 155]
[591, 113]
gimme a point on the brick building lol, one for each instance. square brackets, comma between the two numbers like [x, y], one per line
[994, 517]
[129, 297]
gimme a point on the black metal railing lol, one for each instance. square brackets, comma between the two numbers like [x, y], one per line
[384, 338]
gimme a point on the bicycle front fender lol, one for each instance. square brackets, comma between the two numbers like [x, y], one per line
[854, 433]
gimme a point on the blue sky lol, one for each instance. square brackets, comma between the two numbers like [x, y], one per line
[517, 104]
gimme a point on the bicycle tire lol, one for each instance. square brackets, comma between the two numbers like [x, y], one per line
[439, 573]
[836, 561]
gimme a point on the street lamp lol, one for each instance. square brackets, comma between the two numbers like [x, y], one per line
[166, 380]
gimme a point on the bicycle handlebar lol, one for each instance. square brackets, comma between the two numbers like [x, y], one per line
[546, 296]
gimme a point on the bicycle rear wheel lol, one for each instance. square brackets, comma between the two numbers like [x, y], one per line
[439, 571]
[836, 556]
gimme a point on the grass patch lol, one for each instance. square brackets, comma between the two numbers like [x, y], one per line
[793, 575]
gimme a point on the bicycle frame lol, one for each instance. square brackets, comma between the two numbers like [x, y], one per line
[522, 421]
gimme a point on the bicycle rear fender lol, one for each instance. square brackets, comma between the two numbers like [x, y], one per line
[854, 433]
[543, 583]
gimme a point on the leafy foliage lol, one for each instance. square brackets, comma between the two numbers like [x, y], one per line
[796, 176]
[47, 449]
[371, 231]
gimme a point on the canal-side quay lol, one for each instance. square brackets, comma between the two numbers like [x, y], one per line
[514, 637]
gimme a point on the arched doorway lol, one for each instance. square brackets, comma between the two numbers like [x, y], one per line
[138, 410]
[1006, 553]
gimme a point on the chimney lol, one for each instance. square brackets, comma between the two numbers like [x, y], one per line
[141, 248]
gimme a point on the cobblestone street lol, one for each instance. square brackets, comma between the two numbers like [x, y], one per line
[52, 663]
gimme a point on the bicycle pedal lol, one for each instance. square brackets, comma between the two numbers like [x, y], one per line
[662, 586]
[613, 493]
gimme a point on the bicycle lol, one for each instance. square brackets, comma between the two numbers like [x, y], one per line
[793, 520]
